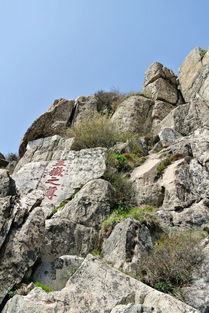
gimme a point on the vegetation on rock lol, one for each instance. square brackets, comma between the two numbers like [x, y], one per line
[97, 131]
[169, 265]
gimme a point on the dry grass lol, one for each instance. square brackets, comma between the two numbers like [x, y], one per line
[169, 265]
[97, 131]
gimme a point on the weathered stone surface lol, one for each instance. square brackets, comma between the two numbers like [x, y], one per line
[85, 107]
[125, 244]
[194, 75]
[74, 228]
[197, 294]
[168, 136]
[133, 308]
[57, 171]
[161, 89]
[134, 114]
[21, 250]
[147, 190]
[53, 122]
[160, 111]
[157, 70]
[186, 118]
[96, 287]
[7, 184]
[55, 274]
[161, 84]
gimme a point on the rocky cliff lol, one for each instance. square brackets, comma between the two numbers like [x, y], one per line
[107, 209]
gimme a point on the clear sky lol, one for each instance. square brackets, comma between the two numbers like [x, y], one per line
[68, 48]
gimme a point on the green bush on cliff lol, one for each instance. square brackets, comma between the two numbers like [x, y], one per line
[96, 131]
[169, 265]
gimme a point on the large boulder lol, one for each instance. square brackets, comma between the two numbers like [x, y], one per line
[161, 84]
[56, 170]
[146, 188]
[74, 228]
[186, 118]
[194, 75]
[134, 114]
[96, 287]
[52, 122]
[21, 250]
[128, 240]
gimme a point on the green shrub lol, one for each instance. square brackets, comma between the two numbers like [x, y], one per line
[143, 214]
[95, 252]
[202, 53]
[169, 265]
[162, 166]
[40, 285]
[61, 205]
[123, 189]
[97, 131]
[107, 102]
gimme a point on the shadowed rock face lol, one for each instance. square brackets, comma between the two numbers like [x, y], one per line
[54, 208]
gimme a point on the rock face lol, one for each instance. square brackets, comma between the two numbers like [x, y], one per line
[193, 75]
[59, 205]
[57, 171]
[161, 84]
[53, 122]
[74, 228]
[95, 287]
[134, 114]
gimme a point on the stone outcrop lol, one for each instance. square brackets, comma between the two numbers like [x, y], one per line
[161, 84]
[194, 75]
[57, 171]
[53, 122]
[134, 114]
[74, 228]
[59, 205]
[96, 287]
[128, 240]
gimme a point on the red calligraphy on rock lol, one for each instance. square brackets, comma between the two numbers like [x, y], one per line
[53, 181]
[50, 192]
[56, 171]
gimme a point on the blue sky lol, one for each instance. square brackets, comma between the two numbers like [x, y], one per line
[67, 48]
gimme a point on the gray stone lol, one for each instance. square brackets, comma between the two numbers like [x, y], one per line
[197, 294]
[57, 171]
[21, 251]
[96, 287]
[53, 122]
[55, 274]
[74, 228]
[194, 75]
[7, 184]
[168, 136]
[160, 111]
[161, 84]
[147, 190]
[133, 308]
[125, 244]
[186, 118]
[134, 114]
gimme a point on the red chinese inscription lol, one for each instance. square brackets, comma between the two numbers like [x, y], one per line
[50, 193]
[57, 170]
